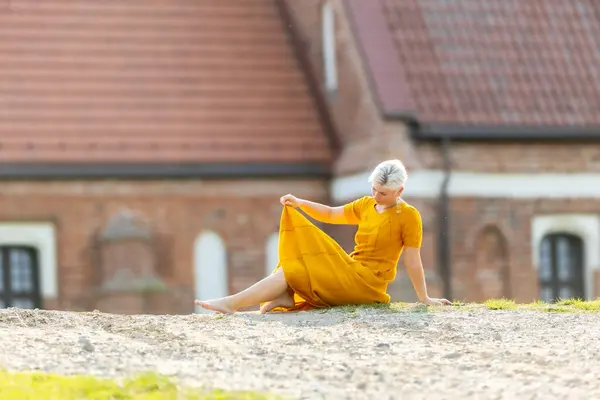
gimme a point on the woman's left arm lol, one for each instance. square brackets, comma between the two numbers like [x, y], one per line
[414, 267]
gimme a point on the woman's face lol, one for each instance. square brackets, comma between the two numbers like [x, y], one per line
[384, 196]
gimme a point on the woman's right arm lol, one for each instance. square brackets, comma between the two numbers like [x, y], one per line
[323, 213]
[320, 212]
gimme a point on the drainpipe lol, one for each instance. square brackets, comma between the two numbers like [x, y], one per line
[444, 254]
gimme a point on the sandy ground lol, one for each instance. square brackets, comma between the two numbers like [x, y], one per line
[365, 354]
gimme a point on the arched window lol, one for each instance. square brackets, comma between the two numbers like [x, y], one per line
[19, 277]
[210, 267]
[561, 267]
[271, 253]
[492, 275]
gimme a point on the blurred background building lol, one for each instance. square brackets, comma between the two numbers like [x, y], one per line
[144, 145]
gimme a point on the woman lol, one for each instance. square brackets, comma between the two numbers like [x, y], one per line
[314, 271]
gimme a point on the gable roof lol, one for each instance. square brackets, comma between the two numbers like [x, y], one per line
[488, 63]
[145, 81]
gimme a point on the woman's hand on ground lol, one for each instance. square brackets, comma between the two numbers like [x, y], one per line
[431, 301]
[290, 200]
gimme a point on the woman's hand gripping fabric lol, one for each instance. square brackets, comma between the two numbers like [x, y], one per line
[289, 200]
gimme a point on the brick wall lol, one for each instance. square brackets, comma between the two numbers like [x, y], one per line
[515, 157]
[472, 218]
[244, 213]
[491, 253]
[490, 239]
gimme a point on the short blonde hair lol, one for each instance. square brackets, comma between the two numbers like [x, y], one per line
[390, 174]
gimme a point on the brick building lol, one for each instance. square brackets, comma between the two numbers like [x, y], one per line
[495, 108]
[144, 145]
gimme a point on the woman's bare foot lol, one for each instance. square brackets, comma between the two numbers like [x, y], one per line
[222, 305]
[285, 300]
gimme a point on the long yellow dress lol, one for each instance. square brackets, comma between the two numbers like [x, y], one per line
[322, 274]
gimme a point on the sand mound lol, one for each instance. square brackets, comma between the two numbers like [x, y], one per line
[335, 354]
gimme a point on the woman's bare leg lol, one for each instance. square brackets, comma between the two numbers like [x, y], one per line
[286, 299]
[270, 288]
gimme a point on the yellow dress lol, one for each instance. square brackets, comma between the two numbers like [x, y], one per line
[322, 274]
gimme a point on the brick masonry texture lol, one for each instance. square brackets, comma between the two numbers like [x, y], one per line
[177, 212]
[511, 219]
[490, 238]
[490, 247]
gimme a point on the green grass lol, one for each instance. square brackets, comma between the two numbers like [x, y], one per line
[581, 304]
[43, 386]
[561, 306]
[568, 305]
[500, 304]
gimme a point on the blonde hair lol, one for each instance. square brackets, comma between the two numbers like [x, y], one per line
[390, 174]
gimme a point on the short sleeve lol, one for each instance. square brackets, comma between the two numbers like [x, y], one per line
[354, 211]
[412, 229]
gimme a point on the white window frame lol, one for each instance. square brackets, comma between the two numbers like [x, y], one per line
[586, 226]
[41, 236]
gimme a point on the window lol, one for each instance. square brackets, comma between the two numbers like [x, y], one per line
[19, 277]
[271, 253]
[210, 267]
[492, 267]
[329, 56]
[561, 267]
[581, 228]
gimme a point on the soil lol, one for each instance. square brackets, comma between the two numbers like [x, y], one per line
[333, 354]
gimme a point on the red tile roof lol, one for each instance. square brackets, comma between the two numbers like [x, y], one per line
[488, 62]
[153, 81]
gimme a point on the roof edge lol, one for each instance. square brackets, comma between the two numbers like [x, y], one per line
[374, 42]
[158, 171]
[503, 132]
[423, 131]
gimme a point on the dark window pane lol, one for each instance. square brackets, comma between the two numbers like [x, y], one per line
[546, 260]
[21, 271]
[546, 294]
[565, 259]
[19, 277]
[565, 292]
[561, 267]
[23, 303]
